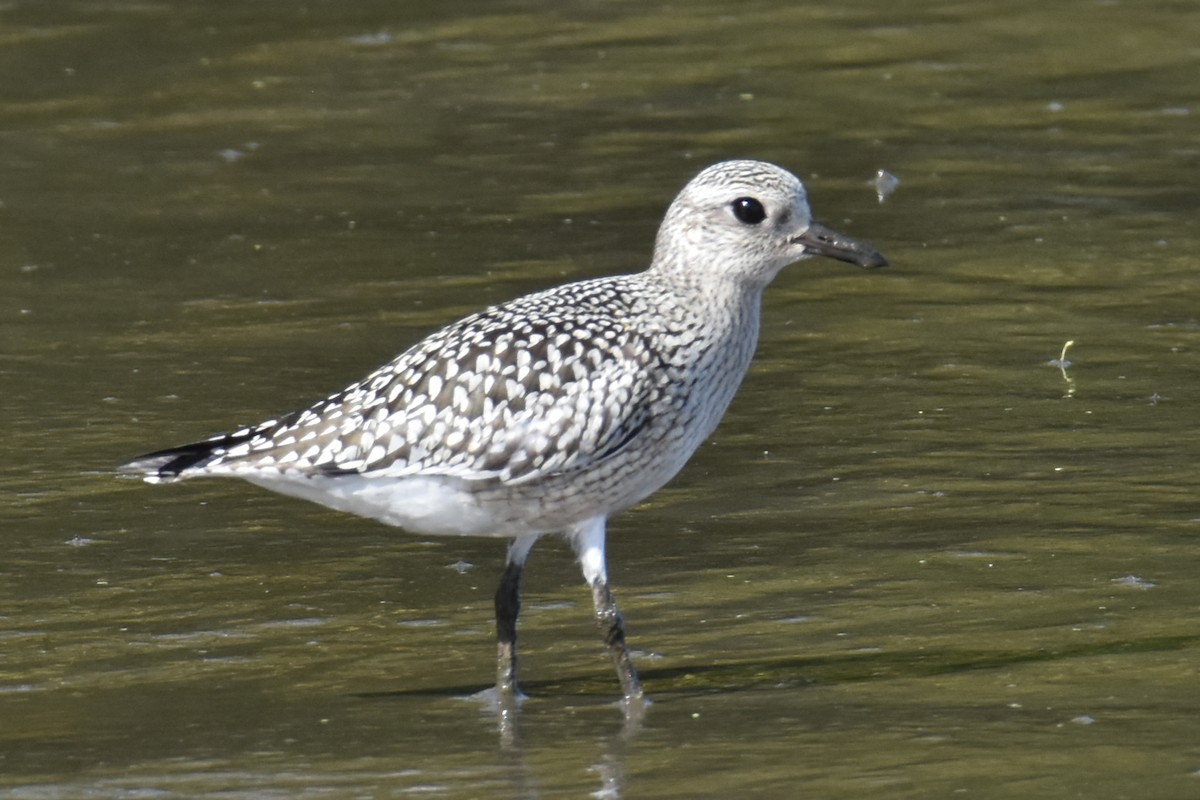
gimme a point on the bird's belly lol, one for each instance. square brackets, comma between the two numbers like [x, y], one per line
[438, 505]
[431, 505]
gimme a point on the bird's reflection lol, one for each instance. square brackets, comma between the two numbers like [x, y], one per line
[510, 718]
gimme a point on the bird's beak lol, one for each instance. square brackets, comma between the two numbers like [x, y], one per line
[821, 241]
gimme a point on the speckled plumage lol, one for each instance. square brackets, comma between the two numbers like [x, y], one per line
[555, 410]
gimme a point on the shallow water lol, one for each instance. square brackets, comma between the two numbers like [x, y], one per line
[916, 560]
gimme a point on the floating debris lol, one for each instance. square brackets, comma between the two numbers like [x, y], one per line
[1062, 363]
[885, 183]
[1134, 582]
[231, 155]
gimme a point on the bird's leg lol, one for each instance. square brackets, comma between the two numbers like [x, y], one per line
[588, 540]
[612, 628]
[508, 606]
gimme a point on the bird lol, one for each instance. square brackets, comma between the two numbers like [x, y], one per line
[549, 413]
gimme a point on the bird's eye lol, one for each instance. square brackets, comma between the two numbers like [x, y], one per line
[749, 210]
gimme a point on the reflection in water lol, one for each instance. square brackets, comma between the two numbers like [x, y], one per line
[609, 766]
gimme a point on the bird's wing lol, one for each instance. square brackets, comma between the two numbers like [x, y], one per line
[485, 398]
[514, 405]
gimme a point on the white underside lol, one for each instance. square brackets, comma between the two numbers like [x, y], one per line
[438, 507]
[430, 505]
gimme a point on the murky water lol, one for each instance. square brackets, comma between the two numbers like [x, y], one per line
[915, 561]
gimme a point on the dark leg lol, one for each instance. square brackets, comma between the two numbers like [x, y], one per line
[508, 606]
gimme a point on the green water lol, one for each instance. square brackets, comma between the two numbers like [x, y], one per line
[915, 561]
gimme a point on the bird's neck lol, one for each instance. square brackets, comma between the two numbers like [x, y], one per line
[720, 316]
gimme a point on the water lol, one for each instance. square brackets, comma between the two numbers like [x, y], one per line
[916, 560]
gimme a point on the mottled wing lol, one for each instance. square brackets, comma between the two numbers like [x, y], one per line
[515, 392]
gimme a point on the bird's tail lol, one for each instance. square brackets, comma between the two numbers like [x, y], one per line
[177, 463]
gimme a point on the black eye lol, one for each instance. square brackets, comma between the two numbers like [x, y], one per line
[749, 210]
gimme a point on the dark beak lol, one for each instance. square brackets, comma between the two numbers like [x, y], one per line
[821, 241]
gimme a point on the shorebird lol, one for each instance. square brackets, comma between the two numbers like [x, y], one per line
[554, 411]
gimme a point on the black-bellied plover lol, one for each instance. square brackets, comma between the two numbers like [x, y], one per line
[552, 412]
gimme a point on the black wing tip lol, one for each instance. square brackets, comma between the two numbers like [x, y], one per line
[170, 464]
[165, 465]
